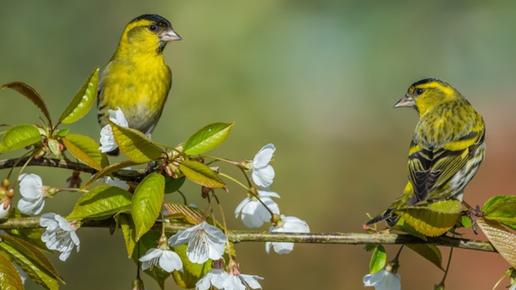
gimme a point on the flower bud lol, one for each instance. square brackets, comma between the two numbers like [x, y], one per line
[6, 183]
[10, 193]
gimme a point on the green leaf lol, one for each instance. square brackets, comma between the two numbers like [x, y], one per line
[432, 219]
[501, 208]
[148, 241]
[200, 173]
[103, 200]
[207, 138]
[135, 145]
[429, 252]
[378, 259]
[127, 226]
[32, 95]
[107, 171]
[465, 221]
[502, 240]
[192, 272]
[19, 136]
[9, 277]
[146, 203]
[83, 100]
[85, 150]
[402, 226]
[32, 261]
[173, 185]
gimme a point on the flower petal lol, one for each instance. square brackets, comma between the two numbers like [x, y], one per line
[264, 156]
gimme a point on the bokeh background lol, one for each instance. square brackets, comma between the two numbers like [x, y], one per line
[316, 78]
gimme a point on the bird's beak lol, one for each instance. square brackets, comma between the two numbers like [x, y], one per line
[406, 101]
[169, 35]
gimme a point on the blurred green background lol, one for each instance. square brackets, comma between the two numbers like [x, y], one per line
[316, 78]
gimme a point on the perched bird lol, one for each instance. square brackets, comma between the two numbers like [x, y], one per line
[446, 149]
[136, 79]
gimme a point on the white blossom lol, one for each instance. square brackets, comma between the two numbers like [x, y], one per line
[215, 278]
[383, 280]
[165, 259]
[33, 194]
[253, 212]
[242, 282]
[204, 242]
[287, 224]
[59, 234]
[263, 173]
[107, 140]
[4, 211]
[22, 273]
[116, 182]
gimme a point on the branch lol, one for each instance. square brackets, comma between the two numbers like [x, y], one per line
[126, 175]
[313, 238]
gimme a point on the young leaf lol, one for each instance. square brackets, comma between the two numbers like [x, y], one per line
[85, 150]
[9, 276]
[200, 173]
[146, 203]
[429, 252]
[32, 95]
[503, 240]
[207, 138]
[101, 201]
[83, 100]
[19, 136]
[53, 145]
[127, 226]
[432, 219]
[135, 145]
[378, 259]
[108, 170]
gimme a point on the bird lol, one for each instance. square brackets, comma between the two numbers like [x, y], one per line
[136, 80]
[446, 150]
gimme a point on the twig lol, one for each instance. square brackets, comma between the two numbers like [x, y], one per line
[126, 175]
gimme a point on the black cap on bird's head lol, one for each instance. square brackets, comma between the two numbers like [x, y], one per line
[426, 93]
[155, 24]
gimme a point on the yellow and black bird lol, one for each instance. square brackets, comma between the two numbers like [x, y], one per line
[446, 149]
[136, 79]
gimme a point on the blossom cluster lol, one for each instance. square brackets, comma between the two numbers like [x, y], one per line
[205, 242]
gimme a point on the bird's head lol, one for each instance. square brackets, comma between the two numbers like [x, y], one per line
[148, 33]
[426, 94]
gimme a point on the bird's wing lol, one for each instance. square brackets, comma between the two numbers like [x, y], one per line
[430, 168]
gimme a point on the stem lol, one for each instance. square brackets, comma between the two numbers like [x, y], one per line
[234, 180]
[224, 225]
[18, 162]
[447, 267]
[220, 159]
[21, 170]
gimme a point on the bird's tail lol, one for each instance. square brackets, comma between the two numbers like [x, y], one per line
[400, 202]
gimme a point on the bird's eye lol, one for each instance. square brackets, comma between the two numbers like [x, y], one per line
[153, 27]
[419, 91]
